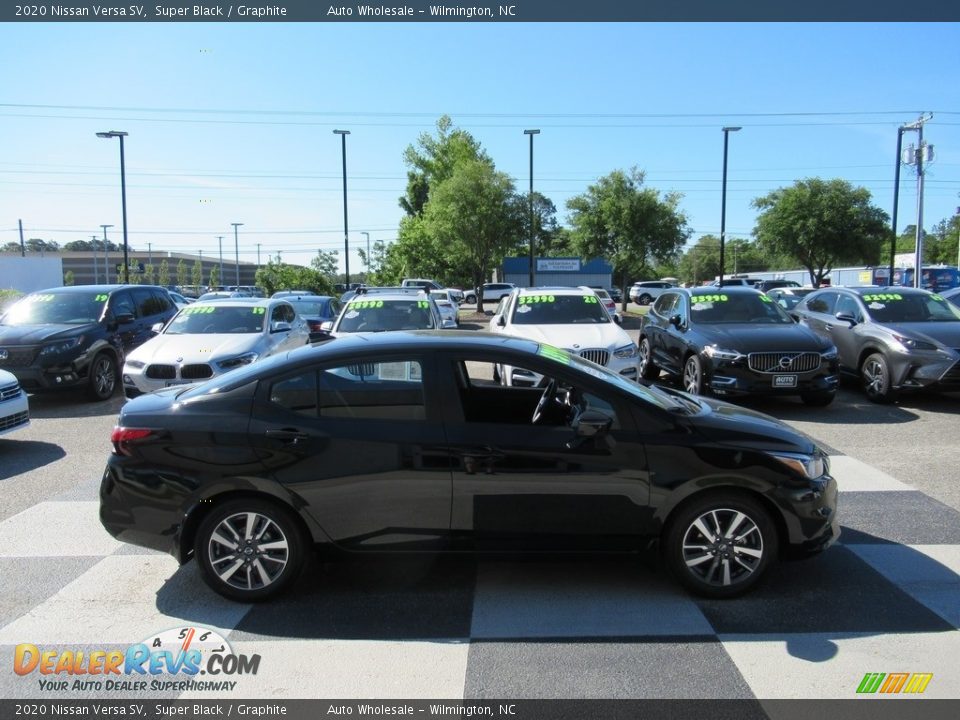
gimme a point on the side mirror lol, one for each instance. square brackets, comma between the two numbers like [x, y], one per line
[676, 321]
[617, 319]
[157, 327]
[319, 336]
[846, 317]
[125, 318]
[449, 324]
[592, 424]
[501, 321]
[326, 326]
[279, 326]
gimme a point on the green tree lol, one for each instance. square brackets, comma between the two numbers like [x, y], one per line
[214, 276]
[196, 274]
[472, 220]
[376, 263]
[821, 224]
[628, 224]
[433, 160]
[276, 276]
[182, 273]
[163, 275]
[68, 278]
[148, 275]
[326, 264]
[40, 246]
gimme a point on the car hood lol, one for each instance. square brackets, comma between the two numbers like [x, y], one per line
[175, 349]
[944, 333]
[578, 336]
[34, 334]
[753, 337]
[731, 424]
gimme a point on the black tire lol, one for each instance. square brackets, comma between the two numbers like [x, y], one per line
[817, 399]
[692, 378]
[875, 376]
[740, 544]
[102, 377]
[469, 299]
[644, 299]
[648, 370]
[259, 572]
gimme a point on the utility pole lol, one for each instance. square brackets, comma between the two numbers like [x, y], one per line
[23, 248]
[917, 157]
[96, 276]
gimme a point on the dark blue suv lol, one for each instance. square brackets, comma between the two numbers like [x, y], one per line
[76, 337]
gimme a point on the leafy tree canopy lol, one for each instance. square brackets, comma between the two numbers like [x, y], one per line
[821, 224]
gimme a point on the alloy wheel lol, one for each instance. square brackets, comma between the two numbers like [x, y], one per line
[248, 551]
[723, 547]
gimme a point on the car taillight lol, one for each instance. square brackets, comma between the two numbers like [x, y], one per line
[123, 437]
[315, 325]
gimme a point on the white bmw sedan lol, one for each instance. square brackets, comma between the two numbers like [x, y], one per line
[208, 339]
[565, 317]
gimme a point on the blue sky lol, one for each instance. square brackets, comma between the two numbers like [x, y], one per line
[233, 123]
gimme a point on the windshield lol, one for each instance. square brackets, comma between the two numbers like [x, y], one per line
[217, 320]
[719, 308]
[73, 308]
[367, 315]
[559, 310]
[909, 307]
[307, 307]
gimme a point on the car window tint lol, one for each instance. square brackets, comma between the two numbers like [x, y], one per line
[297, 394]
[596, 404]
[122, 304]
[846, 304]
[665, 304]
[375, 390]
[161, 301]
[823, 303]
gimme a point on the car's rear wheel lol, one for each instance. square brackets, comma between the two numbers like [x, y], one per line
[648, 371]
[877, 383]
[644, 299]
[693, 376]
[102, 379]
[817, 399]
[721, 545]
[250, 549]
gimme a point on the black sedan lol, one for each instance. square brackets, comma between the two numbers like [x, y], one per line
[315, 309]
[893, 338]
[403, 441]
[736, 341]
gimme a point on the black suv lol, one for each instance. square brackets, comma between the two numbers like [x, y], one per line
[76, 337]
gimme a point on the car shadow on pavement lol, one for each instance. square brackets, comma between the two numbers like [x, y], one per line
[22, 456]
[71, 404]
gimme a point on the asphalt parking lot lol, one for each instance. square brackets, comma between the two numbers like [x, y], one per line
[884, 599]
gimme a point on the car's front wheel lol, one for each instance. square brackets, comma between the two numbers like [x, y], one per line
[693, 376]
[644, 299]
[877, 383]
[648, 371]
[250, 549]
[719, 546]
[102, 379]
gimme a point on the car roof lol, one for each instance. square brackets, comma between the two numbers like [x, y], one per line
[95, 288]
[715, 289]
[239, 302]
[556, 289]
[873, 289]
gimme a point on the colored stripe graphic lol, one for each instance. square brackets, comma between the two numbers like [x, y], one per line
[918, 682]
[894, 682]
[870, 682]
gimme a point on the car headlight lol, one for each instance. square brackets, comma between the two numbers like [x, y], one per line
[912, 344]
[810, 466]
[626, 352]
[62, 347]
[238, 361]
[830, 353]
[135, 364]
[712, 351]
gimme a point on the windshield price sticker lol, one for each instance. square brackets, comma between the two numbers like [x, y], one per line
[198, 310]
[709, 299]
[534, 299]
[102, 297]
[592, 299]
[44, 298]
[259, 311]
[882, 297]
[366, 304]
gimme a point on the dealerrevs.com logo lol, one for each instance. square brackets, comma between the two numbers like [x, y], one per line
[894, 683]
[181, 659]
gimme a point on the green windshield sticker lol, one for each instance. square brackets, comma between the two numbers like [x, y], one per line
[591, 299]
[423, 303]
[764, 298]
[101, 297]
[710, 298]
[882, 297]
[555, 354]
[41, 298]
[198, 310]
[937, 298]
[534, 299]
[365, 304]
[259, 311]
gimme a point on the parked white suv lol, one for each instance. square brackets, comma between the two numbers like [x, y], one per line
[570, 318]
[646, 291]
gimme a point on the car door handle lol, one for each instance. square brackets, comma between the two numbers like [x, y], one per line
[290, 435]
[828, 326]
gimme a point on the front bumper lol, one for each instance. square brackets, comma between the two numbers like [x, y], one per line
[811, 517]
[735, 377]
[14, 412]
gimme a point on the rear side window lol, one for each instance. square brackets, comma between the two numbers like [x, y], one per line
[823, 303]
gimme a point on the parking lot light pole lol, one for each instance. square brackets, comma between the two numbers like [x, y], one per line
[220, 271]
[346, 237]
[723, 197]
[531, 133]
[236, 252]
[123, 197]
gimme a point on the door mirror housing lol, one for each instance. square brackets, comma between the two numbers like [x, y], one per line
[676, 321]
[846, 317]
